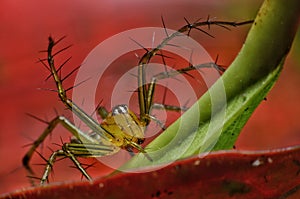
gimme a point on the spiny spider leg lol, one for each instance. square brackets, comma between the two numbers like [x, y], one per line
[170, 74]
[164, 106]
[73, 150]
[102, 112]
[52, 160]
[168, 107]
[145, 92]
[77, 133]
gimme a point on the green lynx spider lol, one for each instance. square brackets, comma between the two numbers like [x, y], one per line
[121, 128]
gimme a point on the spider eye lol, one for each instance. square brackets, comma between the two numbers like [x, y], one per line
[120, 109]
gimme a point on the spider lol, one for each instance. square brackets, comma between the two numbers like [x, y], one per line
[121, 128]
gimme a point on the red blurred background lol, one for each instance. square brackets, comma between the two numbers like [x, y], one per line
[25, 26]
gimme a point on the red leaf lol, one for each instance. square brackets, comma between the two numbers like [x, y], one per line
[224, 174]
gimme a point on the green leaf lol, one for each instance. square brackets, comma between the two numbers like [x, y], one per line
[215, 120]
[241, 107]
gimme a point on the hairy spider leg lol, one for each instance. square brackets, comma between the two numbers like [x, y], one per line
[73, 150]
[145, 92]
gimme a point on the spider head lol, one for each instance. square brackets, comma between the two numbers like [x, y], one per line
[120, 109]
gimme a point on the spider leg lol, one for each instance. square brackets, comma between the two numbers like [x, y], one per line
[50, 164]
[101, 110]
[140, 149]
[168, 107]
[145, 92]
[73, 150]
[172, 74]
[51, 125]
[158, 122]
[62, 93]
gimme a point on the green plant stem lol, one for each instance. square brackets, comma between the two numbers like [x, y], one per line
[263, 53]
[246, 82]
[268, 42]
